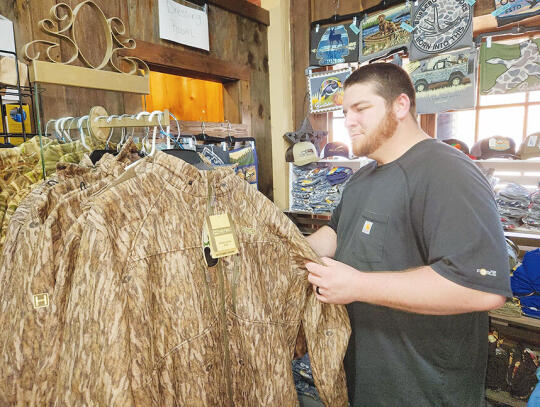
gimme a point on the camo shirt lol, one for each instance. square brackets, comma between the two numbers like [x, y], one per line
[147, 323]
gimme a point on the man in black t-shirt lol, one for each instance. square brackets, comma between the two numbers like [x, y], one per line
[416, 251]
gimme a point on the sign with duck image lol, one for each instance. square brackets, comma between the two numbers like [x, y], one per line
[326, 90]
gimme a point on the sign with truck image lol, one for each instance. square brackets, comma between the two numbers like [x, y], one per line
[444, 82]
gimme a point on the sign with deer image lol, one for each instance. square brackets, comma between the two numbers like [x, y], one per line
[333, 44]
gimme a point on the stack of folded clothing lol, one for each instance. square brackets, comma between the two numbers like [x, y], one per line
[318, 189]
[513, 204]
[532, 220]
[303, 188]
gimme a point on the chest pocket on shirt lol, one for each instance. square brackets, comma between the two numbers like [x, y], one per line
[371, 235]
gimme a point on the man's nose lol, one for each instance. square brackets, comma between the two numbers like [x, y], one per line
[349, 121]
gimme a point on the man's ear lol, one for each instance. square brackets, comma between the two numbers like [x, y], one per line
[402, 106]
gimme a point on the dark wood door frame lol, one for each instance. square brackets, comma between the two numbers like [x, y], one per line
[235, 77]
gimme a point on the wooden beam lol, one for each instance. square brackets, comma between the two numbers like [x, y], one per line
[300, 22]
[428, 122]
[245, 9]
[71, 75]
[188, 63]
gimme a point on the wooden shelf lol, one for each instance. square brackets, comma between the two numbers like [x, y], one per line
[521, 320]
[504, 397]
[524, 237]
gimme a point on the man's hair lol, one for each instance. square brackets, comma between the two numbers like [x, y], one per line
[388, 80]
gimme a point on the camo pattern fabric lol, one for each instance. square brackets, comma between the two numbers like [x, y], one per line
[22, 185]
[147, 323]
[29, 260]
[522, 63]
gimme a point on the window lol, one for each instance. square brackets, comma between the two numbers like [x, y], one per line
[514, 115]
[339, 132]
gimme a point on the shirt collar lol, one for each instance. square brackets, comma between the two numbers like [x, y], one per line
[192, 180]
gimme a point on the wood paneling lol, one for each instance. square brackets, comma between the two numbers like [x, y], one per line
[300, 23]
[188, 63]
[245, 9]
[428, 123]
[238, 58]
[186, 98]
[322, 9]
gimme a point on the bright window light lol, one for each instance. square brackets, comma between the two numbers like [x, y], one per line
[506, 121]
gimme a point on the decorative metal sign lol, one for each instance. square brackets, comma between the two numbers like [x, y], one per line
[62, 24]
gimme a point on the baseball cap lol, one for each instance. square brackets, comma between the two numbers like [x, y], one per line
[335, 149]
[460, 145]
[530, 147]
[302, 153]
[494, 147]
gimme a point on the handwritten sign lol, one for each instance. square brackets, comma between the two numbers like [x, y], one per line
[184, 25]
[7, 39]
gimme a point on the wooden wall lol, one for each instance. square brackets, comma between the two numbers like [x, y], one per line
[188, 98]
[234, 38]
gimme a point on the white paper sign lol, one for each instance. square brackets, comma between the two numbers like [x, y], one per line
[7, 38]
[182, 24]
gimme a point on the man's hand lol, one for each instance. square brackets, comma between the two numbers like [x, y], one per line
[420, 290]
[337, 282]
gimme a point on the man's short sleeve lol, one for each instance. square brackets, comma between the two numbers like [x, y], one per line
[334, 219]
[460, 227]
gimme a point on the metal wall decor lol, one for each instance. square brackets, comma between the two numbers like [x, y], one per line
[61, 24]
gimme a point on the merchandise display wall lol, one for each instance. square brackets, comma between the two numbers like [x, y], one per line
[235, 40]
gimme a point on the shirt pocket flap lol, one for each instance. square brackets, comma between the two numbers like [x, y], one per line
[371, 236]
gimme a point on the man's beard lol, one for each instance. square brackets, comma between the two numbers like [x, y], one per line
[370, 142]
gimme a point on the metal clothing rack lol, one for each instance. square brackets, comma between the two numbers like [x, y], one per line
[22, 91]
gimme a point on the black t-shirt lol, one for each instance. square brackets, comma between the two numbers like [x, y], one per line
[432, 206]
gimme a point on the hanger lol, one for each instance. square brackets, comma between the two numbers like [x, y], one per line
[145, 138]
[81, 132]
[47, 126]
[98, 154]
[58, 127]
[67, 131]
[124, 137]
[189, 156]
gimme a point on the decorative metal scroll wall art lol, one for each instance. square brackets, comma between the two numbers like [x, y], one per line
[61, 24]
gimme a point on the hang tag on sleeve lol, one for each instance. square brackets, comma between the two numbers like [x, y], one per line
[222, 235]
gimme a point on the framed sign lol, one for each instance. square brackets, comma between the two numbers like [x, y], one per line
[444, 82]
[440, 26]
[510, 11]
[333, 44]
[184, 25]
[509, 68]
[326, 90]
[382, 32]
